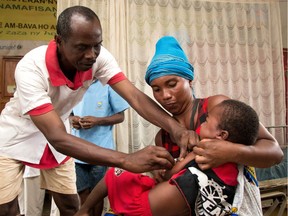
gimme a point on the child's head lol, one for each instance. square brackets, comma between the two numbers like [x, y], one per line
[231, 120]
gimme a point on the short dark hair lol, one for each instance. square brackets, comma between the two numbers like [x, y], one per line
[240, 120]
[63, 27]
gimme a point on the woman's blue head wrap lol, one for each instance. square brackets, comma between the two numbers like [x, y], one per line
[169, 59]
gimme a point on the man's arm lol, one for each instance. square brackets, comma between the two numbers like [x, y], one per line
[149, 110]
[147, 159]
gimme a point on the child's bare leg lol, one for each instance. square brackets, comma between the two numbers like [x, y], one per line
[96, 196]
[166, 199]
[179, 165]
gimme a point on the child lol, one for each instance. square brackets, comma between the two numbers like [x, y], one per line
[200, 191]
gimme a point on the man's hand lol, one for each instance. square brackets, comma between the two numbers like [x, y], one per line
[185, 139]
[148, 159]
[213, 152]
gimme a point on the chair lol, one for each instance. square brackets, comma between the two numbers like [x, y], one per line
[273, 180]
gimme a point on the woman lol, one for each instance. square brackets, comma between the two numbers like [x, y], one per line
[170, 76]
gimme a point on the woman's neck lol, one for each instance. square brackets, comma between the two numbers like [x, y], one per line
[184, 117]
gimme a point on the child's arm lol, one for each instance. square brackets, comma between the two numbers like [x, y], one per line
[98, 193]
[179, 165]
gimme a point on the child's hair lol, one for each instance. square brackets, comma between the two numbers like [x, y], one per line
[240, 120]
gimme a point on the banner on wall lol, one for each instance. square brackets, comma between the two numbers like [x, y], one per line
[25, 24]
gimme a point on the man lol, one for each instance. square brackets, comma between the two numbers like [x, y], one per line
[50, 81]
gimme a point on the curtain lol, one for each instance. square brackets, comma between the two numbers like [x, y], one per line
[235, 47]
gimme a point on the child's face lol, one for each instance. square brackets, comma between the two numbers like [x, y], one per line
[209, 128]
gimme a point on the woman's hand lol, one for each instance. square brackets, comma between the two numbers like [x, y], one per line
[214, 152]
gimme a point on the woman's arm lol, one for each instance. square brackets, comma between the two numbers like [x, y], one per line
[265, 152]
